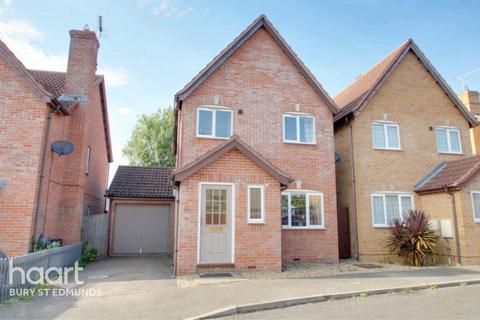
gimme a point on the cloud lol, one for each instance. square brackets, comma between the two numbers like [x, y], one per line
[165, 8]
[115, 76]
[20, 36]
[125, 110]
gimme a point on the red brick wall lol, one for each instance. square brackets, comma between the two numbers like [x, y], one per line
[65, 190]
[22, 124]
[261, 80]
[256, 245]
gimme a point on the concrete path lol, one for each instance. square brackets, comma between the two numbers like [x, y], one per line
[448, 303]
[145, 288]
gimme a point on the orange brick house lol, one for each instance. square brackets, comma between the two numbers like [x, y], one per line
[255, 175]
[400, 125]
[42, 189]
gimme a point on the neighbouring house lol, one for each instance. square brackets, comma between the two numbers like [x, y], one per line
[142, 206]
[44, 189]
[400, 130]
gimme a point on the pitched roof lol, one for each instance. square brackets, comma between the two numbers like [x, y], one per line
[142, 182]
[356, 96]
[450, 175]
[260, 22]
[233, 143]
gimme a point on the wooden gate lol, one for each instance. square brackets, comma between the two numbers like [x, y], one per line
[344, 249]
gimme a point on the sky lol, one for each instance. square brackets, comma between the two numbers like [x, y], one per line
[151, 48]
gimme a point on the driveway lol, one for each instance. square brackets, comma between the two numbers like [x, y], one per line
[144, 288]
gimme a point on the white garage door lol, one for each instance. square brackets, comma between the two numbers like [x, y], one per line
[140, 229]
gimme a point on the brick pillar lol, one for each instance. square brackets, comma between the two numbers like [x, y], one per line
[79, 86]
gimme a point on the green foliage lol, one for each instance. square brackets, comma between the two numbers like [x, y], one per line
[150, 144]
[89, 254]
[413, 239]
[43, 246]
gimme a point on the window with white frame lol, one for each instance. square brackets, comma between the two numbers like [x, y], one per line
[302, 209]
[214, 122]
[386, 207]
[298, 129]
[256, 206]
[448, 140]
[476, 205]
[385, 135]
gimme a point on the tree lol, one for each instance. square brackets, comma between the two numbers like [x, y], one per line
[150, 144]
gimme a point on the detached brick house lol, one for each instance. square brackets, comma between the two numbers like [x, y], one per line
[255, 174]
[42, 191]
[401, 128]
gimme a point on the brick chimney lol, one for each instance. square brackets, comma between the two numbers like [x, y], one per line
[82, 63]
[471, 99]
[80, 85]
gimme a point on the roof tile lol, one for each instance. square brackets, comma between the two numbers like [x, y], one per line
[142, 182]
[452, 174]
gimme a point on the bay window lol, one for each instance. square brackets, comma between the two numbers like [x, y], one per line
[302, 209]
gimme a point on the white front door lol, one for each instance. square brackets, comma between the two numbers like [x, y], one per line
[216, 224]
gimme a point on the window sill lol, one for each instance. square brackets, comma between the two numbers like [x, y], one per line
[382, 227]
[454, 153]
[302, 143]
[303, 228]
[388, 149]
[256, 222]
[213, 137]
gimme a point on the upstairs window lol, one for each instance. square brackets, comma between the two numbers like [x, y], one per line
[88, 159]
[214, 123]
[448, 140]
[387, 207]
[302, 209]
[385, 136]
[298, 129]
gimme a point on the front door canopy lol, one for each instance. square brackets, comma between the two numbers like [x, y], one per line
[233, 143]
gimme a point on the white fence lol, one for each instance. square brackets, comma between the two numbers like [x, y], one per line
[61, 257]
[95, 231]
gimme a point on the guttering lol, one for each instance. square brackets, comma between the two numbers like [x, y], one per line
[41, 176]
[455, 225]
[354, 193]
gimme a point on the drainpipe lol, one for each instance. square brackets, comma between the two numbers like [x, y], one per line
[175, 250]
[455, 225]
[354, 193]
[42, 165]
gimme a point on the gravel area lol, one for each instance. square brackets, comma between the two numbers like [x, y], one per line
[300, 270]
[312, 270]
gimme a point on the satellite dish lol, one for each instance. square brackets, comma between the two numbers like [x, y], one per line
[62, 147]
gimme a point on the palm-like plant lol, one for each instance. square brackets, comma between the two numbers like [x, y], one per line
[413, 239]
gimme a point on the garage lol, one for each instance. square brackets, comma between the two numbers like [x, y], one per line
[140, 229]
[141, 211]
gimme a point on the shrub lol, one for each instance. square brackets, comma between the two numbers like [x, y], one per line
[89, 254]
[413, 239]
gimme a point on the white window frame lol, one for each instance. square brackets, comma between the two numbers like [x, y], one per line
[386, 124]
[214, 121]
[475, 219]
[307, 193]
[449, 143]
[262, 204]
[88, 159]
[386, 193]
[297, 117]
